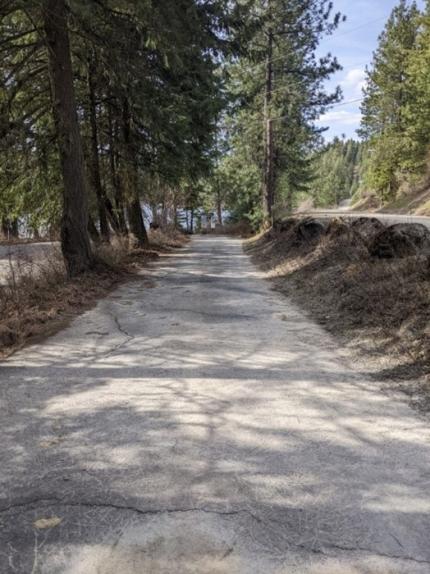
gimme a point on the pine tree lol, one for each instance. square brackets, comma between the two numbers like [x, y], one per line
[417, 108]
[387, 93]
[75, 243]
[146, 93]
[277, 90]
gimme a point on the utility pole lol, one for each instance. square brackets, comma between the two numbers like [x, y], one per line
[268, 167]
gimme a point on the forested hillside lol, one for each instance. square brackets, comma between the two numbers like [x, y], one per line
[394, 159]
[109, 106]
[390, 163]
[396, 117]
[338, 168]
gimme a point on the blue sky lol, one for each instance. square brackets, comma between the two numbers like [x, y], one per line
[353, 43]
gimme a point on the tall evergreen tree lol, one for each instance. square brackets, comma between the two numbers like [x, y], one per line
[417, 107]
[143, 90]
[277, 89]
[75, 242]
[386, 95]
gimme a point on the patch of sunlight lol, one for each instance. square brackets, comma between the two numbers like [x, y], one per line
[395, 498]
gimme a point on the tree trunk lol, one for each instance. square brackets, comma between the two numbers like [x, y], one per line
[95, 163]
[92, 230]
[10, 228]
[268, 165]
[134, 210]
[14, 228]
[75, 242]
[4, 228]
[219, 205]
[115, 177]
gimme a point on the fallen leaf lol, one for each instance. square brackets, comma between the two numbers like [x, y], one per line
[43, 523]
[50, 442]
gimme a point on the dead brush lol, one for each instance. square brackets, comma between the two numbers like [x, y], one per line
[390, 296]
[167, 237]
[115, 254]
[37, 297]
[386, 301]
[25, 291]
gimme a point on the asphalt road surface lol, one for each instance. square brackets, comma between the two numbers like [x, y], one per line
[196, 422]
[387, 218]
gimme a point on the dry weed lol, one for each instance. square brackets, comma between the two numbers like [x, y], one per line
[380, 306]
[37, 298]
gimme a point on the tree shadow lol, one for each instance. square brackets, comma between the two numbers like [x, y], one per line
[236, 425]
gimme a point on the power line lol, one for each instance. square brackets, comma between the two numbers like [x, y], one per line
[345, 32]
[347, 102]
[252, 67]
[331, 106]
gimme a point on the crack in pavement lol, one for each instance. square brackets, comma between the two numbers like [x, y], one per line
[120, 327]
[52, 500]
[127, 335]
[153, 512]
[359, 549]
[236, 426]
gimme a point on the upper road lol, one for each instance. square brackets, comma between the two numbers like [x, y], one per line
[388, 218]
[23, 255]
[195, 421]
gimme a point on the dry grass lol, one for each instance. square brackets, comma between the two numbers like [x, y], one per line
[38, 299]
[167, 238]
[379, 308]
[239, 229]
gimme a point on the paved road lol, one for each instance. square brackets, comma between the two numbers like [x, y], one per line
[21, 255]
[197, 422]
[388, 218]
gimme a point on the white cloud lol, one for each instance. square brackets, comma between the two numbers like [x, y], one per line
[341, 117]
[354, 82]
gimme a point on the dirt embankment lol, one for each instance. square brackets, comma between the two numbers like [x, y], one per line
[37, 299]
[367, 283]
[412, 201]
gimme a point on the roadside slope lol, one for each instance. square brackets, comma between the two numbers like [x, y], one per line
[377, 306]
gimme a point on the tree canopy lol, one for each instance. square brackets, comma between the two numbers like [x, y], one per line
[109, 105]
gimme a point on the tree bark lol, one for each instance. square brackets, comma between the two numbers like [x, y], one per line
[4, 228]
[75, 242]
[95, 163]
[134, 209]
[10, 228]
[92, 230]
[115, 176]
[219, 204]
[268, 165]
